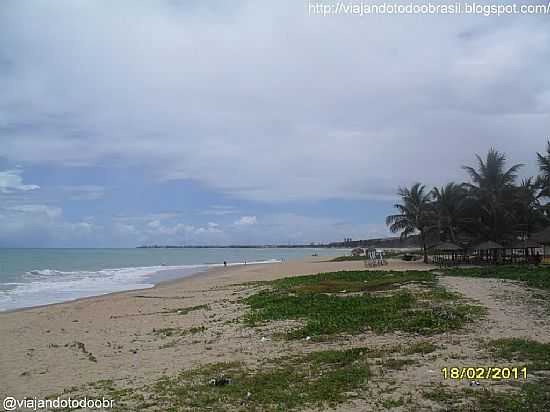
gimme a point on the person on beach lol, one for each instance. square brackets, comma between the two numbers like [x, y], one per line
[224, 263]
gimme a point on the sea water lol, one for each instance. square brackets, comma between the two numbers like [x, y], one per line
[32, 277]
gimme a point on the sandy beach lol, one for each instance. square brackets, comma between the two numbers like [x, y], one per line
[117, 330]
[46, 350]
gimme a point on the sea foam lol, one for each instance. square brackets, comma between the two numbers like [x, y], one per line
[47, 286]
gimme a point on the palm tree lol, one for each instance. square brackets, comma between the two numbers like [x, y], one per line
[415, 214]
[492, 188]
[528, 211]
[449, 204]
[543, 179]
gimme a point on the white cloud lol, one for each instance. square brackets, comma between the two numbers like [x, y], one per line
[157, 228]
[246, 220]
[210, 228]
[36, 225]
[49, 211]
[11, 181]
[126, 229]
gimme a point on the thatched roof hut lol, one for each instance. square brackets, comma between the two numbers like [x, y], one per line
[447, 253]
[445, 247]
[487, 245]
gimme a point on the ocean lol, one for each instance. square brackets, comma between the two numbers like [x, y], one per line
[32, 277]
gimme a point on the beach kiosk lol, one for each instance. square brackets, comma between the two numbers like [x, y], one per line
[526, 251]
[488, 252]
[447, 253]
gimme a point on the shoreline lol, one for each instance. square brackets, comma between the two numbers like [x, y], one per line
[211, 267]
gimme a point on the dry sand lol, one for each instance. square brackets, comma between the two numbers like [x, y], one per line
[48, 349]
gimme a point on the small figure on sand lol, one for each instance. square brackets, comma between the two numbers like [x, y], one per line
[224, 263]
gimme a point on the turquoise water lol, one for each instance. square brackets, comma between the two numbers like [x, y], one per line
[31, 277]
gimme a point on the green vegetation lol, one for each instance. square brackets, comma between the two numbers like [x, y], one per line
[320, 379]
[317, 379]
[195, 329]
[530, 397]
[359, 280]
[381, 304]
[538, 276]
[397, 363]
[422, 347]
[535, 354]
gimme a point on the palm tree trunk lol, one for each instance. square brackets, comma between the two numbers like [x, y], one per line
[424, 246]
[452, 234]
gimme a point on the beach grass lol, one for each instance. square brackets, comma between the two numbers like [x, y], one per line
[317, 379]
[421, 347]
[356, 280]
[529, 397]
[324, 304]
[535, 354]
[534, 276]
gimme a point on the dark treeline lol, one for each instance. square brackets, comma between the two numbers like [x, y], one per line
[493, 205]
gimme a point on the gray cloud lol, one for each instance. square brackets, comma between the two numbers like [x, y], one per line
[262, 102]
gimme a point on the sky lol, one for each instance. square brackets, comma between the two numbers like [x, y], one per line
[213, 122]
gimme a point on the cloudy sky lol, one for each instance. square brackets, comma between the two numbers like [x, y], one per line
[131, 122]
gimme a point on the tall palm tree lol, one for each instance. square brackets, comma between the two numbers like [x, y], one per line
[449, 204]
[415, 214]
[492, 188]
